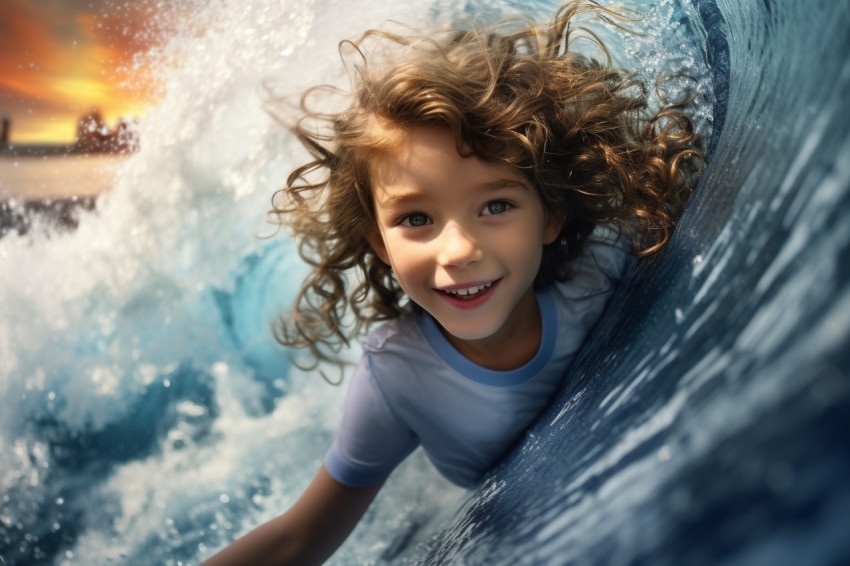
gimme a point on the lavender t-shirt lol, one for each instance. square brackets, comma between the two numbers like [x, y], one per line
[412, 387]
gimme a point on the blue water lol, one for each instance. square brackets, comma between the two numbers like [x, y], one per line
[149, 418]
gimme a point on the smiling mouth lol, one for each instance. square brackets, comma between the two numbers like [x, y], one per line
[467, 293]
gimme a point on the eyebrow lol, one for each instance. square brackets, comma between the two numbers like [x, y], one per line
[395, 201]
[505, 183]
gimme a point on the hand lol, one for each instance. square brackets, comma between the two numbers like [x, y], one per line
[309, 532]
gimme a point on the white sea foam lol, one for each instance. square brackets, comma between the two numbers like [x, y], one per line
[152, 320]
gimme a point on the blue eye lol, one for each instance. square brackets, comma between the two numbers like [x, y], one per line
[496, 207]
[414, 220]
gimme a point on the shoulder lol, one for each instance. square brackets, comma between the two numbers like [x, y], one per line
[401, 332]
[383, 371]
[396, 352]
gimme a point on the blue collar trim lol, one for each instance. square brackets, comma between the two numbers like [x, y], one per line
[471, 370]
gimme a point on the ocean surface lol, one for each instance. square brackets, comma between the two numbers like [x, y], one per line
[65, 176]
[148, 417]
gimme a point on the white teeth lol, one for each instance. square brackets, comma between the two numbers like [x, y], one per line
[468, 291]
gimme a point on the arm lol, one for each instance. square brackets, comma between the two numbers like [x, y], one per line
[309, 532]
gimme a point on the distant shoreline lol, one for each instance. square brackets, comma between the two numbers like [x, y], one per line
[49, 150]
[50, 185]
[44, 175]
[46, 186]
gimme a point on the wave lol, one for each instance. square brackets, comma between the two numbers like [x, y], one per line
[149, 416]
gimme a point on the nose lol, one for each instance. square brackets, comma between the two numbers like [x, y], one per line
[458, 248]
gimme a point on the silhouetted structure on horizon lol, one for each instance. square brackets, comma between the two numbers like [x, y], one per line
[93, 136]
[4, 133]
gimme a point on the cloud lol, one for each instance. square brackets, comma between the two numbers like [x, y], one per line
[62, 57]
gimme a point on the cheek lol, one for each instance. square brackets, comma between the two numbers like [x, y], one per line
[529, 257]
[411, 265]
[525, 243]
[405, 259]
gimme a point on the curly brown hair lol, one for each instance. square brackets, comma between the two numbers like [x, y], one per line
[514, 92]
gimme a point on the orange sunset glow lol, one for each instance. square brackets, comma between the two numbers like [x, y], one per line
[59, 59]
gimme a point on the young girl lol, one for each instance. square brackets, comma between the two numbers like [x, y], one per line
[480, 195]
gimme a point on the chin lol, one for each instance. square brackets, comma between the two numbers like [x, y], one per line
[468, 333]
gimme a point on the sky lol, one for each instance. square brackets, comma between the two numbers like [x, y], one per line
[59, 59]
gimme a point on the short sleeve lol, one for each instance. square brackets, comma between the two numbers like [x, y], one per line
[371, 440]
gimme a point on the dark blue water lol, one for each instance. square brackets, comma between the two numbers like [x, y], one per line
[708, 420]
[149, 418]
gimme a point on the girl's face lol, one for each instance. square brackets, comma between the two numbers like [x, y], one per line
[464, 238]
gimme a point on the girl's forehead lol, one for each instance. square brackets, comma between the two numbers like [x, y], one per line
[428, 158]
[416, 151]
[420, 142]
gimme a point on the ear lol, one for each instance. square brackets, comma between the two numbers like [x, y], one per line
[376, 242]
[554, 223]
